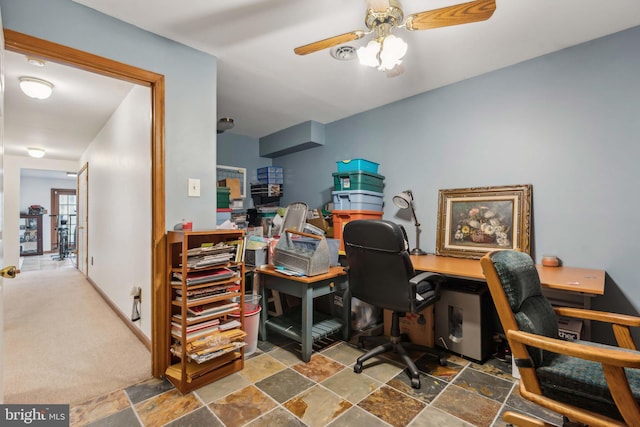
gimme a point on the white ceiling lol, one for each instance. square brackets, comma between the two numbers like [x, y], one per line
[265, 87]
[65, 123]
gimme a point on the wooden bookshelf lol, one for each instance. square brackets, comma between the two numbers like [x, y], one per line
[206, 273]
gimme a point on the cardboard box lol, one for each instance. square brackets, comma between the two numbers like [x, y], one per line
[315, 218]
[234, 187]
[418, 333]
[569, 328]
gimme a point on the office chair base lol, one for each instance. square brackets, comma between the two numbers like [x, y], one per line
[399, 347]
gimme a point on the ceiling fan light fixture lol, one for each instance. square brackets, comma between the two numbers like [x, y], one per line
[36, 88]
[368, 55]
[38, 153]
[384, 54]
[392, 51]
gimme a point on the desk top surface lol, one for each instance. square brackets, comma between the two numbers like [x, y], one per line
[571, 279]
[271, 271]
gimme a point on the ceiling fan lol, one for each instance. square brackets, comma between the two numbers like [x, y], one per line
[385, 51]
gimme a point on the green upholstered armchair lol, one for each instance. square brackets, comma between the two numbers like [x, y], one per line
[589, 383]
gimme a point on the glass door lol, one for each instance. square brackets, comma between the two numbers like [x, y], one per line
[63, 215]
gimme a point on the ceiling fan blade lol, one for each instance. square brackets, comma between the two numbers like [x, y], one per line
[465, 13]
[330, 42]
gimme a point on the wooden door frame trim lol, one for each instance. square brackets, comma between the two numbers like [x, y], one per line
[33, 46]
[85, 272]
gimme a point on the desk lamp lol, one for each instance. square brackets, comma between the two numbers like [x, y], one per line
[404, 200]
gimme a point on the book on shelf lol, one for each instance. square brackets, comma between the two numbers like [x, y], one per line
[239, 245]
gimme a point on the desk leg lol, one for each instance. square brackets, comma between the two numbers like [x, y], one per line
[264, 305]
[307, 324]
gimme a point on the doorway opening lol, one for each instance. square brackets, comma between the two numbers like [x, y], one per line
[28, 45]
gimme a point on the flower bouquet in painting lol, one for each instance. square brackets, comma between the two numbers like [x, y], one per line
[480, 223]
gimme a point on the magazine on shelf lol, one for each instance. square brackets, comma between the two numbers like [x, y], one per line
[196, 334]
[209, 261]
[213, 307]
[177, 326]
[200, 277]
[208, 249]
[205, 293]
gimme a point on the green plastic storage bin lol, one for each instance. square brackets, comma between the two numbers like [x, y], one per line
[358, 180]
[223, 197]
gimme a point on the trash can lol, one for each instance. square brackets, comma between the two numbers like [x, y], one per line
[251, 321]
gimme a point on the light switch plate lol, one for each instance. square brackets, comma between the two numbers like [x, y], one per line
[194, 187]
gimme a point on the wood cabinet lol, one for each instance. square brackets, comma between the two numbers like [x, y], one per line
[205, 294]
[30, 235]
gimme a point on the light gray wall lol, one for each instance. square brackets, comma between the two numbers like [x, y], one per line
[568, 123]
[190, 79]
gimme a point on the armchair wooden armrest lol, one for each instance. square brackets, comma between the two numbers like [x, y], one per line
[601, 316]
[613, 362]
[606, 356]
[620, 323]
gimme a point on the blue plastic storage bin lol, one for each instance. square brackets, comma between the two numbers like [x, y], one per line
[357, 200]
[271, 175]
[357, 165]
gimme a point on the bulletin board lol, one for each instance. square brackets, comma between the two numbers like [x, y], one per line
[224, 172]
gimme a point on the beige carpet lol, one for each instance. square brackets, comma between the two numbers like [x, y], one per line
[62, 343]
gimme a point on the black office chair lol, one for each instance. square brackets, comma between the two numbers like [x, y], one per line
[381, 274]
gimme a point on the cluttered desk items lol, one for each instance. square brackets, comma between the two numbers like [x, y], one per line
[302, 252]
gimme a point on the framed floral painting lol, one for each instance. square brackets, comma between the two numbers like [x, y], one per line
[474, 221]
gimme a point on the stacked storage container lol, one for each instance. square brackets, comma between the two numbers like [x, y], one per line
[269, 190]
[358, 193]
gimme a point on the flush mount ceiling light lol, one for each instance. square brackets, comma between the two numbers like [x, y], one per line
[36, 152]
[224, 124]
[36, 88]
[35, 61]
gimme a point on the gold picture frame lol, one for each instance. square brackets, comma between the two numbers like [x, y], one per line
[474, 221]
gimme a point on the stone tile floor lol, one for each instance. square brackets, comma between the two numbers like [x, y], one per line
[276, 388]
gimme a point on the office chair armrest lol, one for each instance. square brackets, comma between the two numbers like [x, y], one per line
[607, 356]
[601, 316]
[424, 276]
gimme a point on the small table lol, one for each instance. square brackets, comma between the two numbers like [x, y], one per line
[305, 326]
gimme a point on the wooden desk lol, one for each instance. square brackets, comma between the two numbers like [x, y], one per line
[301, 326]
[563, 286]
[581, 280]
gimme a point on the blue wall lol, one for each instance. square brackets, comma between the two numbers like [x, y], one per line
[241, 151]
[568, 123]
[190, 97]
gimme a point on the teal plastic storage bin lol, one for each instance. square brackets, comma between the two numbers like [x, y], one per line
[358, 180]
[223, 197]
[357, 165]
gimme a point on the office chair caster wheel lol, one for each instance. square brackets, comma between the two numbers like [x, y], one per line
[415, 383]
[357, 368]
